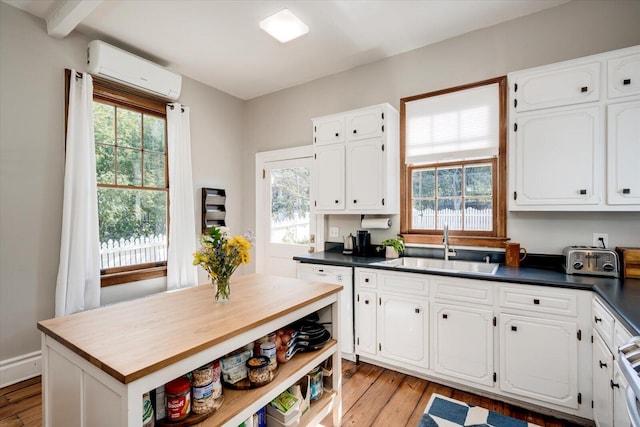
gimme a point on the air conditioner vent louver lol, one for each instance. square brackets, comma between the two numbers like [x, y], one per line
[123, 67]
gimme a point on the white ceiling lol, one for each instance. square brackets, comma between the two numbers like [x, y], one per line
[219, 42]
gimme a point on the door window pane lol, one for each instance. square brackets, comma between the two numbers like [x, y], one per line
[290, 206]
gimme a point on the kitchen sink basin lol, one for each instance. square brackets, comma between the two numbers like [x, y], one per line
[433, 264]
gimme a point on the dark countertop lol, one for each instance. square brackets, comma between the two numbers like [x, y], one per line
[622, 296]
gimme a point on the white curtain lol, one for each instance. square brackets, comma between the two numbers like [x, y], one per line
[181, 272]
[78, 283]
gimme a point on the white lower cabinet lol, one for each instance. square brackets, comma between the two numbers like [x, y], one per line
[402, 329]
[392, 327]
[538, 359]
[520, 341]
[609, 385]
[462, 343]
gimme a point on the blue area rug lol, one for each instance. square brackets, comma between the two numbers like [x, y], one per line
[443, 411]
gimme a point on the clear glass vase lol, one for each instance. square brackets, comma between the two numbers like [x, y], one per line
[222, 288]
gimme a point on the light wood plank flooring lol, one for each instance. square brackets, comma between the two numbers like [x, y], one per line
[371, 396]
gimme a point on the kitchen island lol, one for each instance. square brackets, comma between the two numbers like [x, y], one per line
[98, 364]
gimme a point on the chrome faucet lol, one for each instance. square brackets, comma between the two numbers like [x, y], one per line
[445, 240]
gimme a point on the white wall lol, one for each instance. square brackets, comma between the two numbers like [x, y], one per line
[572, 30]
[32, 166]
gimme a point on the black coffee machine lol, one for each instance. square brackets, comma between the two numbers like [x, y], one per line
[363, 242]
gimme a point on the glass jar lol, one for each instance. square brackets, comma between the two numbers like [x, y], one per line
[259, 372]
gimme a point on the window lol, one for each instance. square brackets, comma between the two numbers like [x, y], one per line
[454, 170]
[132, 182]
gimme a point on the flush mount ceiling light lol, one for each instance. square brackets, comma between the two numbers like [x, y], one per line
[284, 26]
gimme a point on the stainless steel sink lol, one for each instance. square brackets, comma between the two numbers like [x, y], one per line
[433, 264]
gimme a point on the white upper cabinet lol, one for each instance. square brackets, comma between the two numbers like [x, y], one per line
[574, 134]
[557, 87]
[368, 171]
[623, 156]
[624, 76]
[329, 130]
[365, 123]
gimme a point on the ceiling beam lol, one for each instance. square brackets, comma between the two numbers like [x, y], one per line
[67, 15]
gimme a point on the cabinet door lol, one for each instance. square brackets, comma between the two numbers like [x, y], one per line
[365, 123]
[329, 182]
[462, 343]
[366, 333]
[624, 76]
[602, 375]
[623, 157]
[557, 87]
[403, 329]
[538, 359]
[556, 154]
[365, 175]
[329, 130]
[619, 386]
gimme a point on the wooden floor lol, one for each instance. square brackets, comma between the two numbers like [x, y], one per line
[371, 396]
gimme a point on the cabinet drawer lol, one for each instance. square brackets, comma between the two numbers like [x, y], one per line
[541, 300]
[602, 321]
[407, 283]
[557, 87]
[624, 76]
[462, 290]
[366, 279]
[620, 337]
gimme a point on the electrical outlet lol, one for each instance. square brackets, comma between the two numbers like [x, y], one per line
[334, 232]
[600, 239]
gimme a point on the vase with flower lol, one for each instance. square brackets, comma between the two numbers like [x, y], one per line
[220, 255]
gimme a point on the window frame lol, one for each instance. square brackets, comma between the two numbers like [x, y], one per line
[122, 96]
[498, 235]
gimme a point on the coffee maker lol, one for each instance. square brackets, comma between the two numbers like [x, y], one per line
[363, 242]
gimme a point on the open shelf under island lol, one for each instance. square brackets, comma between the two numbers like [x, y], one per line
[98, 364]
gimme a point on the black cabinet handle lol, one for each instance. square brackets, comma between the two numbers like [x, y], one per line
[626, 191]
[355, 201]
[602, 365]
[626, 82]
[536, 301]
[337, 202]
[355, 131]
[445, 316]
[417, 310]
[366, 280]
[596, 319]
[583, 191]
[337, 134]
[584, 89]
[366, 301]
[514, 328]
[612, 384]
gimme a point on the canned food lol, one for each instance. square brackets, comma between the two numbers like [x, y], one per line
[269, 349]
[178, 396]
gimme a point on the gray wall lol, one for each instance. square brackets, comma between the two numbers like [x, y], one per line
[572, 30]
[32, 169]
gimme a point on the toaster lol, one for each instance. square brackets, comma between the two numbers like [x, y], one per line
[591, 260]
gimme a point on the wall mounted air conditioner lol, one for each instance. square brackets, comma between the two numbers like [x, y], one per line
[115, 64]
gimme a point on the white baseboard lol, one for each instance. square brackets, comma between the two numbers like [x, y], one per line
[20, 368]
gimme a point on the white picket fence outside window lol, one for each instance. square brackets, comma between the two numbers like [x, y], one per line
[132, 251]
[474, 219]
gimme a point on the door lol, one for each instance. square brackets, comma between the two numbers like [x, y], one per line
[329, 130]
[285, 226]
[365, 323]
[556, 156]
[402, 324]
[365, 175]
[329, 183]
[365, 123]
[538, 359]
[602, 374]
[623, 145]
[462, 343]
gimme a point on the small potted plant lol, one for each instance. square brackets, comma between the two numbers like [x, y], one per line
[393, 247]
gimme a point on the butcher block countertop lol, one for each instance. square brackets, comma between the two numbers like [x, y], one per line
[132, 339]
